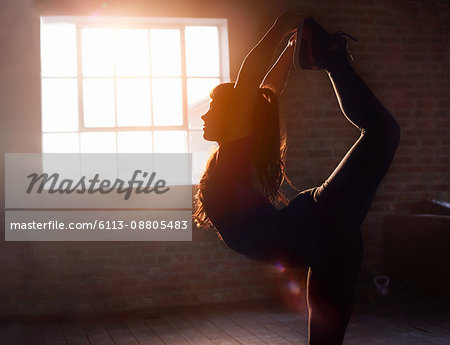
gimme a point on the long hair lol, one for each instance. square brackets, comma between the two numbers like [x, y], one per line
[268, 152]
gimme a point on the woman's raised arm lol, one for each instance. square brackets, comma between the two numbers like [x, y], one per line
[253, 70]
[257, 63]
[275, 79]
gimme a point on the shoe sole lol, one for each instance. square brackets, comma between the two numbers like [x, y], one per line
[304, 56]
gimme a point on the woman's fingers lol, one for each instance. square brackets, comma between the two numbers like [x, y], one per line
[300, 14]
[292, 39]
[290, 19]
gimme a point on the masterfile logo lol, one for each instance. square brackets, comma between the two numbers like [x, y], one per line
[52, 180]
[86, 185]
[98, 197]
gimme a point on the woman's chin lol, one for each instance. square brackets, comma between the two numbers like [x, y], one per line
[205, 134]
[209, 137]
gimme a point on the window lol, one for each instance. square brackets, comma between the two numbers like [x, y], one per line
[130, 85]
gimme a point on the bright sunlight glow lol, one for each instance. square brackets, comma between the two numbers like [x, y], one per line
[165, 52]
[111, 89]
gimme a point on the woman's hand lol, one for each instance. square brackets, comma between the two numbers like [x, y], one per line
[289, 20]
[292, 40]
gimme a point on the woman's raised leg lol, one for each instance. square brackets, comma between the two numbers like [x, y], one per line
[344, 200]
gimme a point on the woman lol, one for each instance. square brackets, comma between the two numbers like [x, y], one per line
[320, 227]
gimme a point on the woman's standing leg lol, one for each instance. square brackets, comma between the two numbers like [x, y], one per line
[344, 200]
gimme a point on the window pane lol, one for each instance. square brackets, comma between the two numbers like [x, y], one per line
[132, 52]
[98, 142]
[97, 52]
[198, 99]
[134, 142]
[133, 102]
[170, 141]
[58, 50]
[98, 101]
[167, 107]
[60, 143]
[202, 51]
[165, 52]
[59, 105]
[201, 151]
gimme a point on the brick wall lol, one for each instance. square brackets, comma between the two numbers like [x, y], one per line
[47, 278]
[402, 54]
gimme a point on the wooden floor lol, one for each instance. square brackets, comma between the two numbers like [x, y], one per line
[384, 323]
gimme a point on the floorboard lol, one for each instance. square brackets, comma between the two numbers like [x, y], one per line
[383, 322]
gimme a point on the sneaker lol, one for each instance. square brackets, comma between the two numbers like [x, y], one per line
[316, 47]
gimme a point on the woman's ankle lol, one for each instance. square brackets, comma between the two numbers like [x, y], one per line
[337, 61]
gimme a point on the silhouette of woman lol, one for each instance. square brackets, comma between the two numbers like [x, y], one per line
[320, 227]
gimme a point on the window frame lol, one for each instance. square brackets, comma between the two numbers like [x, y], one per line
[142, 23]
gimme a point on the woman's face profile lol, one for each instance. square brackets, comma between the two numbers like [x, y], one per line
[214, 118]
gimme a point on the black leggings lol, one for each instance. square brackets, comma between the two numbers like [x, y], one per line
[320, 227]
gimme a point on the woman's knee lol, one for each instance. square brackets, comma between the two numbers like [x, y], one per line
[385, 138]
